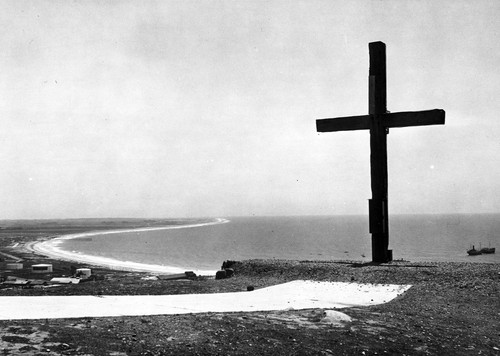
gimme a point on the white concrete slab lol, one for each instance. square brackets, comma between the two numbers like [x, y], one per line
[65, 280]
[293, 295]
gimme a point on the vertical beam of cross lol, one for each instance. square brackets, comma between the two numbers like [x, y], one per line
[378, 122]
[377, 106]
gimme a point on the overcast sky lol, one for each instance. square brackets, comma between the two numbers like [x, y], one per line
[208, 108]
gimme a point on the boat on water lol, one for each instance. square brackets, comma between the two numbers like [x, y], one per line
[474, 252]
[488, 249]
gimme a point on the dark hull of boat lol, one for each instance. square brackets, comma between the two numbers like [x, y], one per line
[474, 252]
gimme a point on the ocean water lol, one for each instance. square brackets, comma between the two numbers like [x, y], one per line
[412, 237]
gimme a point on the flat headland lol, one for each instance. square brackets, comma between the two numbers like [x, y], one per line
[452, 308]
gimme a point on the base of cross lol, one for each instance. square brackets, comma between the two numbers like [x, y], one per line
[379, 228]
[380, 252]
[384, 257]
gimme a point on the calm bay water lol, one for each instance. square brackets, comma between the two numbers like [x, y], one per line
[412, 237]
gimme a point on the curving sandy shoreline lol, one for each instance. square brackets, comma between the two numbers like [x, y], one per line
[51, 248]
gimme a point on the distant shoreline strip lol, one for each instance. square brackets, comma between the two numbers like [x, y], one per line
[51, 249]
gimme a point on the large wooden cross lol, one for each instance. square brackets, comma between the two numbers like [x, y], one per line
[378, 121]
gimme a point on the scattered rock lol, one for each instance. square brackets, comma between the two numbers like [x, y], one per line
[229, 272]
[335, 317]
[220, 274]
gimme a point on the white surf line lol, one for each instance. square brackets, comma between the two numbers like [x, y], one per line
[51, 249]
[298, 294]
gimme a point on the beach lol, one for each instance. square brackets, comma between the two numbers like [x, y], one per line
[51, 248]
[451, 308]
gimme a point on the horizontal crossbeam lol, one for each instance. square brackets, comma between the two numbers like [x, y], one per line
[414, 118]
[343, 123]
[398, 119]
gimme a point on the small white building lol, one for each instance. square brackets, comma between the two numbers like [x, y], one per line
[42, 268]
[83, 273]
[14, 265]
[65, 280]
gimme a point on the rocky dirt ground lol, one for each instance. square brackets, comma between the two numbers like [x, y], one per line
[452, 309]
